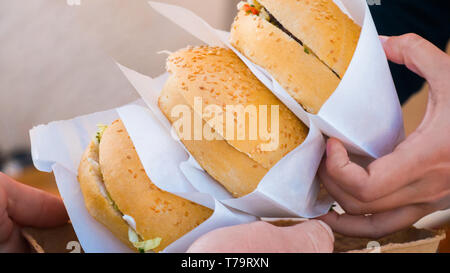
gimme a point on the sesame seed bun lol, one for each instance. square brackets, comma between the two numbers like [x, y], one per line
[220, 78]
[322, 26]
[115, 165]
[95, 197]
[309, 56]
[238, 173]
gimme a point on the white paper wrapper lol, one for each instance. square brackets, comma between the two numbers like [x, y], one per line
[59, 146]
[364, 112]
[288, 190]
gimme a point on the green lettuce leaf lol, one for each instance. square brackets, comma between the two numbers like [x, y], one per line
[142, 246]
[100, 131]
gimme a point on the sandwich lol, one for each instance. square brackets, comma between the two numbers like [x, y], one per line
[119, 194]
[218, 78]
[306, 46]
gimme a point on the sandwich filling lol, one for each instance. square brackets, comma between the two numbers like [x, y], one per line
[253, 7]
[135, 239]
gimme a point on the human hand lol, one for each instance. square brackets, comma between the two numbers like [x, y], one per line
[21, 205]
[413, 181]
[261, 237]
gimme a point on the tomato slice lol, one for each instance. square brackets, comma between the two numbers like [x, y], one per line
[250, 9]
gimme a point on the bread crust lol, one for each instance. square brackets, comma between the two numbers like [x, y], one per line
[219, 77]
[95, 198]
[157, 213]
[309, 81]
[238, 173]
[320, 25]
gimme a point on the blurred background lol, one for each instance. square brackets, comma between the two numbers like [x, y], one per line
[57, 62]
[56, 59]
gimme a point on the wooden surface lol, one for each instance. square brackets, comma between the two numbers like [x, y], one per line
[444, 247]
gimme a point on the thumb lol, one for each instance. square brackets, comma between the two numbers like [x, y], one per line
[261, 237]
[313, 236]
[418, 54]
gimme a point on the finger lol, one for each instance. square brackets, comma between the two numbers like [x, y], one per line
[6, 225]
[418, 54]
[28, 206]
[376, 225]
[15, 243]
[383, 177]
[308, 237]
[338, 164]
[234, 239]
[11, 240]
[415, 193]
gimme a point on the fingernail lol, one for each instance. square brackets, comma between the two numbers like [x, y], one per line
[383, 39]
[327, 228]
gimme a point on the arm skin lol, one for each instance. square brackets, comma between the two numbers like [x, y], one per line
[413, 181]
